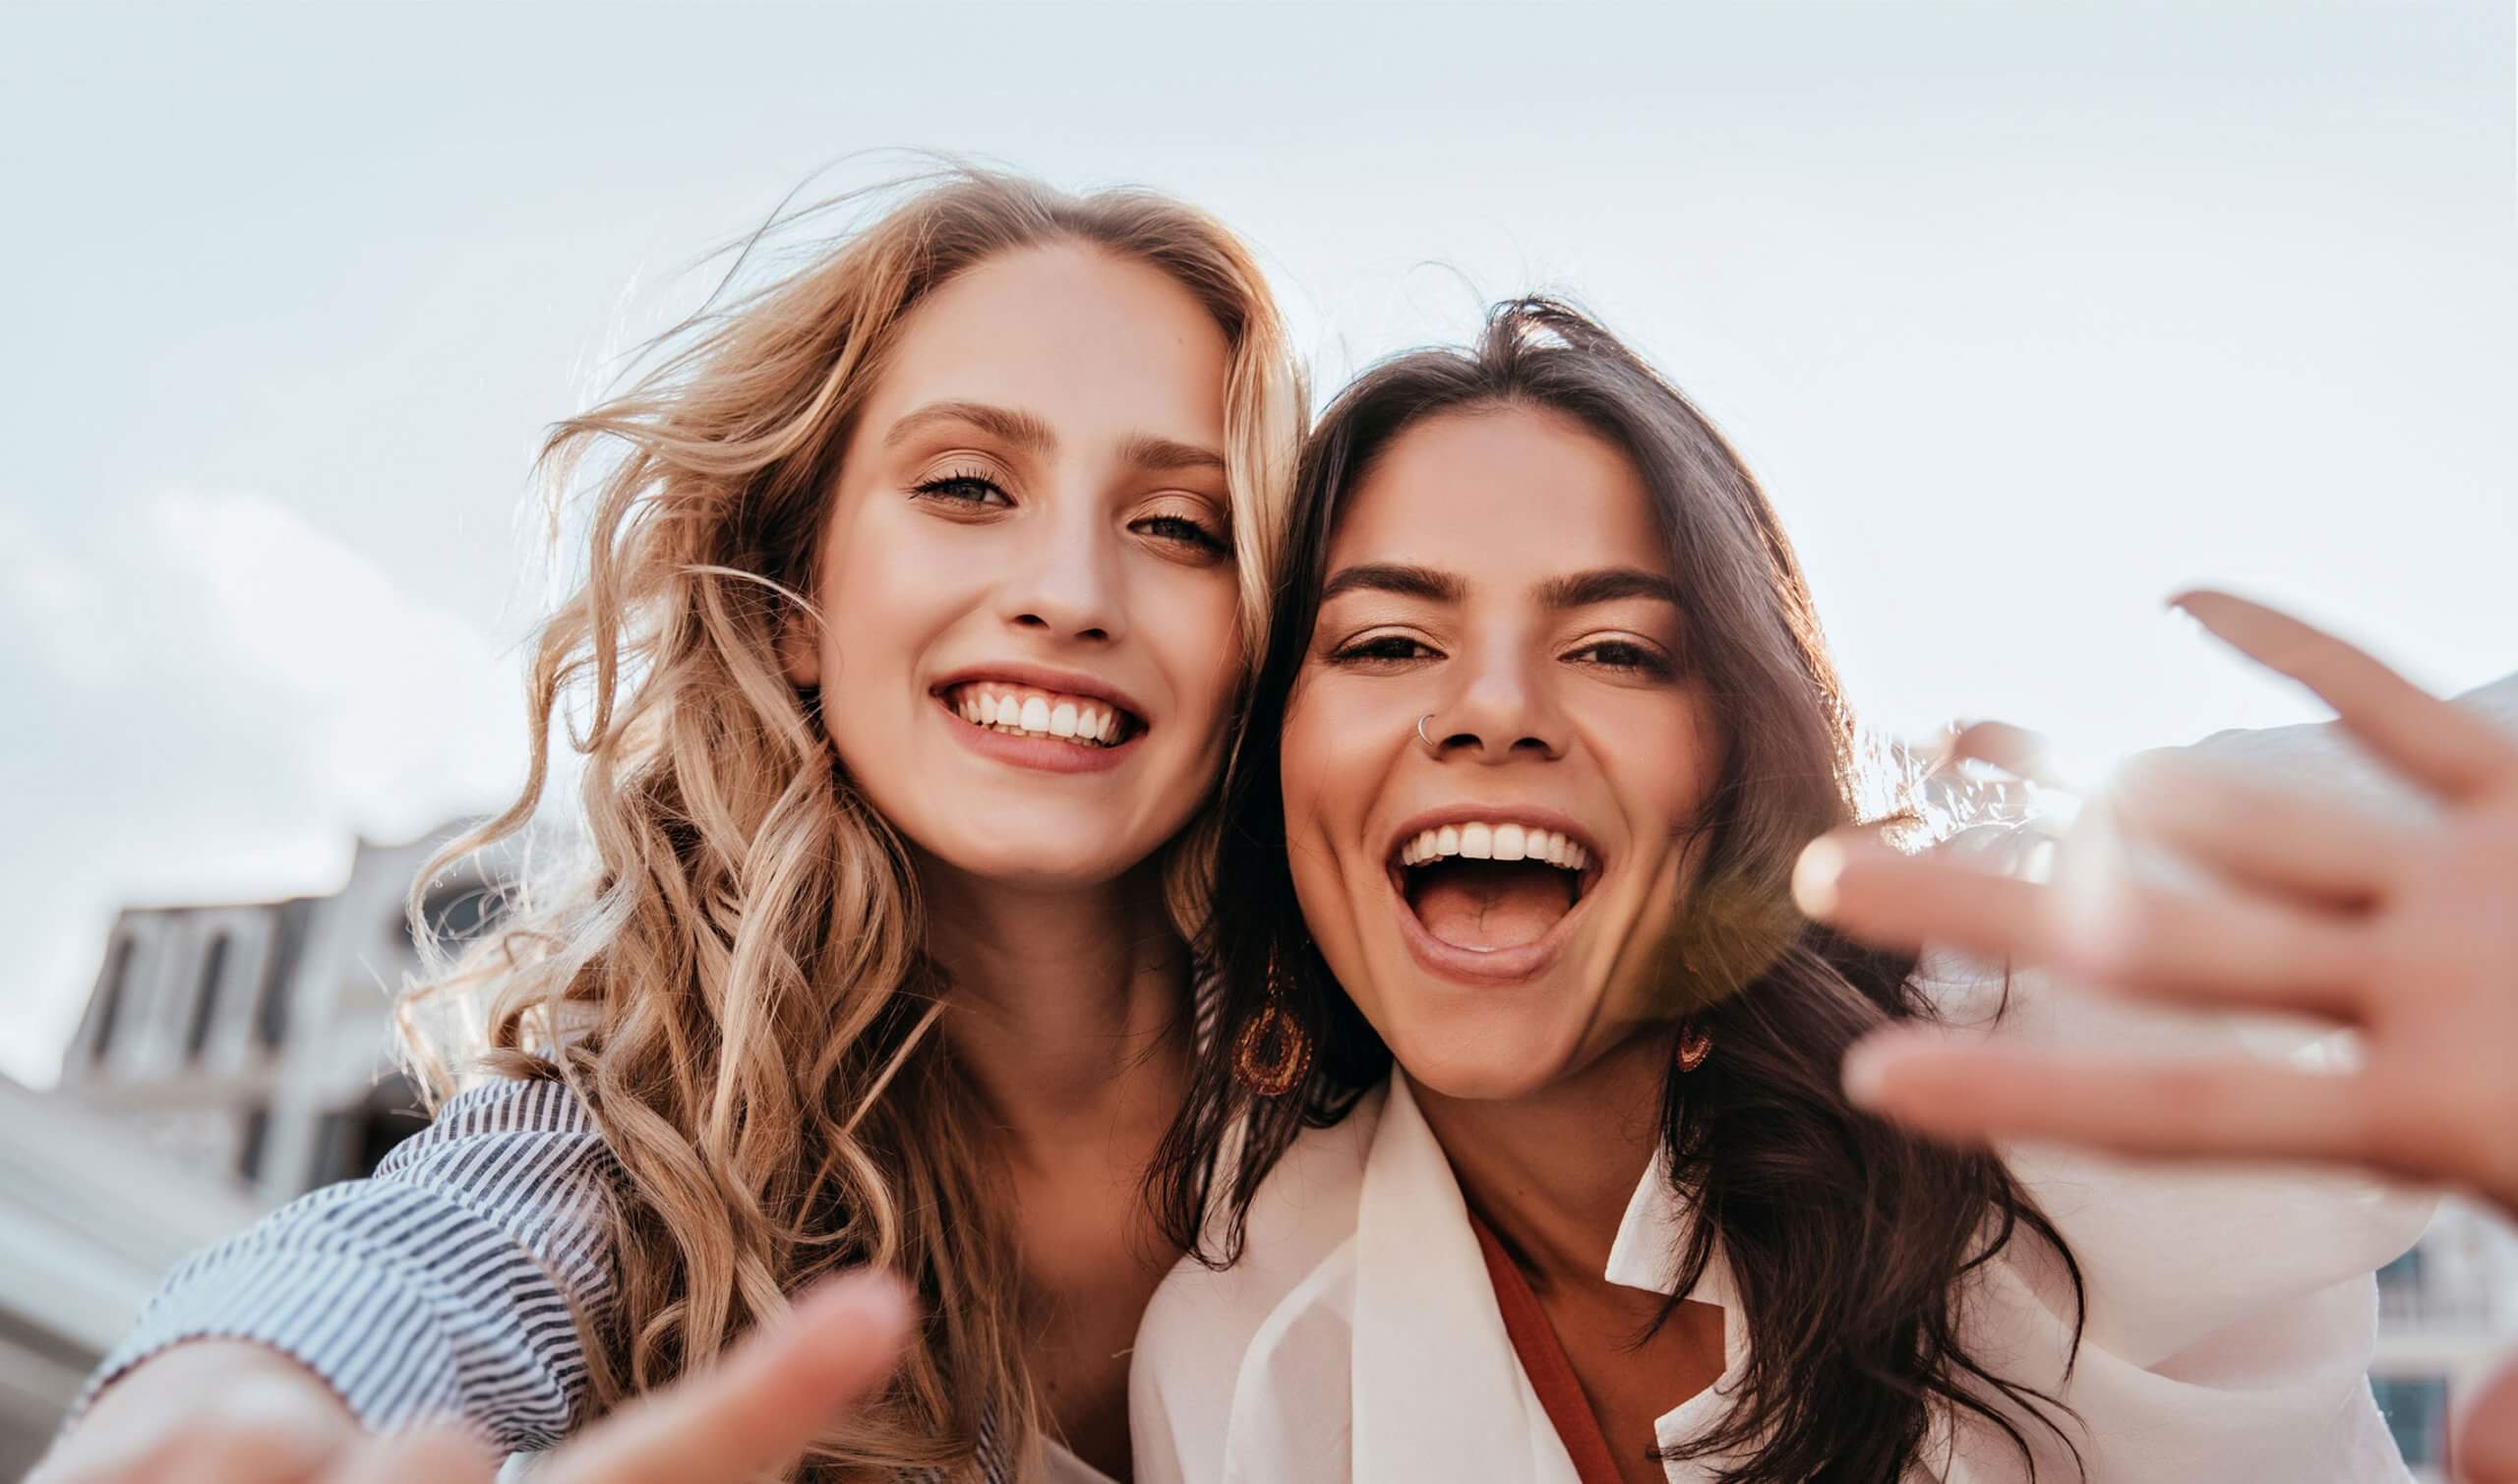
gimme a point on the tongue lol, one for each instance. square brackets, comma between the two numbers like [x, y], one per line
[1490, 904]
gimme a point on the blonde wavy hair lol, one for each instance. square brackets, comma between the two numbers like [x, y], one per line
[736, 983]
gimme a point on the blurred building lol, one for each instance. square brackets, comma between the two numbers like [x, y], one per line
[2446, 1311]
[231, 1058]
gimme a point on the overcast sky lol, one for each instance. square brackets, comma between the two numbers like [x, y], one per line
[2026, 315]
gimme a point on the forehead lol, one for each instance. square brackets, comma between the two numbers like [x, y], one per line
[1092, 342]
[1507, 496]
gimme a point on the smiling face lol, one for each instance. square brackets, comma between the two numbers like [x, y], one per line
[1503, 571]
[1026, 575]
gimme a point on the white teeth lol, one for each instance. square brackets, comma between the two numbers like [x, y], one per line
[1477, 840]
[1036, 714]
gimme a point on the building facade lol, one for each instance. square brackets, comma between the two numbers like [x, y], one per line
[230, 1057]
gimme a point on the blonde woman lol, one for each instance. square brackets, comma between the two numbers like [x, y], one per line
[909, 649]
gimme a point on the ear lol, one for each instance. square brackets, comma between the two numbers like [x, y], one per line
[799, 648]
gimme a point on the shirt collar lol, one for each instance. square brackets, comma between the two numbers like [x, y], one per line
[1646, 1254]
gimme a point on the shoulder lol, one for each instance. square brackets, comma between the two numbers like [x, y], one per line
[1206, 1325]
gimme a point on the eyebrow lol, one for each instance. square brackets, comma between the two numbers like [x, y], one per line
[1608, 584]
[1025, 430]
[1164, 454]
[1030, 432]
[1406, 581]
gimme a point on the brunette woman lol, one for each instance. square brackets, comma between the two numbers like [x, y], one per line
[1522, 1116]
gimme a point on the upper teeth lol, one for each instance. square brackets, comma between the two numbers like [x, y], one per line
[1479, 841]
[1029, 712]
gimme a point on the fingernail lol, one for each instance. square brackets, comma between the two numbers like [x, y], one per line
[1815, 875]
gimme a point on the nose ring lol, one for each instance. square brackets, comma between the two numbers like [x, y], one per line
[1421, 733]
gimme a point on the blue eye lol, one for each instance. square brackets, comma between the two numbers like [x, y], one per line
[1183, 531]
[964, 489]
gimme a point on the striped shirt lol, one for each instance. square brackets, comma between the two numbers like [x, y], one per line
[441, 1287]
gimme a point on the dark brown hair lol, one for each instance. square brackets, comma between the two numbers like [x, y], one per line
[1850, 1241]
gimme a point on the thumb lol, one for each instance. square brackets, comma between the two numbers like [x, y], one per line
[756, 1410]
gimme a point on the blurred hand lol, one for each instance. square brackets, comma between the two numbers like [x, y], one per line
[750, 1416]
[2405, 929]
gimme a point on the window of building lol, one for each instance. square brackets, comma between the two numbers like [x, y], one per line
[459, 914]
[258, 1128]
[214, 970]
[2417, 1411]
[109, 995]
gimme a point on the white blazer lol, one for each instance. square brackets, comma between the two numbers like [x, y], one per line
[2230, 1313]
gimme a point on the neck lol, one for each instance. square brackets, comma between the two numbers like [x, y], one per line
[1552, 1173]
[1068, 1005]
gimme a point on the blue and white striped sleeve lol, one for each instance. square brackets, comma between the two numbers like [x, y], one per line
[441, 1287]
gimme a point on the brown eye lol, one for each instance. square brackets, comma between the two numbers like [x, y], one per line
[1627, 655]
[1388, 648]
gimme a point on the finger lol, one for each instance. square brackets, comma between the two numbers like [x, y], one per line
[2486, 1434]
[2455, 755]
[773, 1394]
[431, 1456]
[1974, 1092]
[2015, 751]
[1852, 881]
[2264, 836]
[2223, 948]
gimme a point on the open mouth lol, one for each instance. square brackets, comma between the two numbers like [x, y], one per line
[1049, 715]
[1486, 885]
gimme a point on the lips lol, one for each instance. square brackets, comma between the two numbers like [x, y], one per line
[1039, 719]
[1491, 896]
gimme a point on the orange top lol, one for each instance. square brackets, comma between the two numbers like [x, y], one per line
[1543, 1360]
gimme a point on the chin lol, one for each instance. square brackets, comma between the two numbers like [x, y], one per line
[1487, 1058]
[1482, 1078]
[1045, 860]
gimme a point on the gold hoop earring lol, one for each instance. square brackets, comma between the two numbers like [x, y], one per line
[1273, 1052]
[1695, 1045]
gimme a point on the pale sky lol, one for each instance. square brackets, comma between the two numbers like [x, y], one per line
[2027, 315]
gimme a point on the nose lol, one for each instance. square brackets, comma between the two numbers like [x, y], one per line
[1067, 583]
[1506, 708]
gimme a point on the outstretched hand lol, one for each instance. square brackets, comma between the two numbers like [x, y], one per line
[2405, 929]
[749, 1417]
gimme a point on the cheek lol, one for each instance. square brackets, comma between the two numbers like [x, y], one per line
[1676, 756]
[884, 596]
[1190, 623]
[1332, 764]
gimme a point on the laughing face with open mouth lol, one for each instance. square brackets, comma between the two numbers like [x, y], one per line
[1496, 749]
